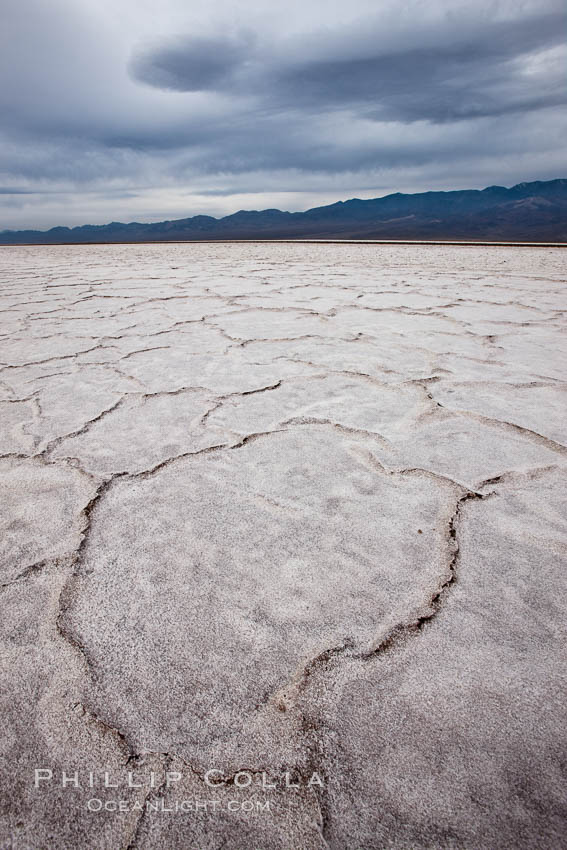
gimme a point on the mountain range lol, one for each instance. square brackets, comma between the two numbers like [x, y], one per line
[527, 212]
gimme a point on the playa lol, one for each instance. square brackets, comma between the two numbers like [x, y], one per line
[284, 539]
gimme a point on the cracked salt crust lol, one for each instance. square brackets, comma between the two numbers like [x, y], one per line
[285, 505]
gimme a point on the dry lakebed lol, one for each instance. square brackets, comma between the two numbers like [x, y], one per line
[284, 542]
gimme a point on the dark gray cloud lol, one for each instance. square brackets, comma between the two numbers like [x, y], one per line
[190, 63]
[133, 111]
[471, 73]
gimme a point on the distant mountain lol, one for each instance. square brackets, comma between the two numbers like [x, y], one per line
[528, 212]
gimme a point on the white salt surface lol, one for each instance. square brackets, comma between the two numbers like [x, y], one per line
[281, 509]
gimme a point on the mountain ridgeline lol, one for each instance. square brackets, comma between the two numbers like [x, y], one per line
[528, 212]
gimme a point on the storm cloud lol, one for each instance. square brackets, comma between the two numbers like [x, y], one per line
[134, 110]
[481, 70]
[191, 64]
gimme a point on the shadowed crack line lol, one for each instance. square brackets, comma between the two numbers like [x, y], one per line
[347, 648]
[221, 399]
[157, 794]
[532, 436]
[31, 569]
[52, 444]
[123, 743]
[395, 637]
[437, 600]
[343, 429]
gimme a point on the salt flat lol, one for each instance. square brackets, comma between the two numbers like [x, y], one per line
[283, 515]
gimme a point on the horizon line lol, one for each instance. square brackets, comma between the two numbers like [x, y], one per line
[462, 243]
[276, 209]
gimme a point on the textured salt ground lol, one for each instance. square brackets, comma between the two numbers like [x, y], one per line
[284, 507]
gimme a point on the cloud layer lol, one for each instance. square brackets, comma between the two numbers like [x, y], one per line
[153, 113]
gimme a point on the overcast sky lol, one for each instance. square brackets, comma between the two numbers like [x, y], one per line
[153, 109]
